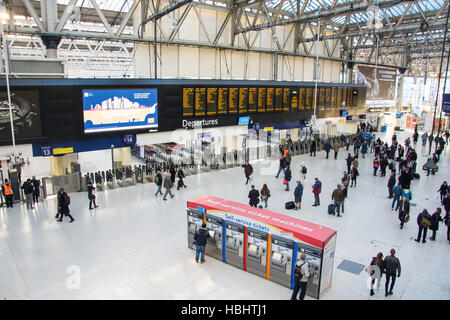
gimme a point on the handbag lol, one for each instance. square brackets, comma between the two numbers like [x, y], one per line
[425, 223]
[285, 181]
[407, 218]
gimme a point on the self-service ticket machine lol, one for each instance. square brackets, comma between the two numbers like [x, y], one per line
[281, 260]
[313, 258]
[234, 245]
[195, 221]
[257, 252]
[214, 246]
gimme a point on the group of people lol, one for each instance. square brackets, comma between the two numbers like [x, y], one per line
[31, 190]
[168, 181]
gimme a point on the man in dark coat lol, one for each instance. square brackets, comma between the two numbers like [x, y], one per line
[435, 219]
[201, 237]
[254, 197]
[327, 148]
[36, 191]
[313, 147]
[338, 197]
[423, 227]
[391, 185]
[248, 170]
[349, 160]
[64, 202]
[392, 269]
[403, 210]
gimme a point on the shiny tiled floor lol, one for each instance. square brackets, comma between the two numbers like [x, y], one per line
[134, 245]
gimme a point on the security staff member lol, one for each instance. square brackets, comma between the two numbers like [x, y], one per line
[8, 193]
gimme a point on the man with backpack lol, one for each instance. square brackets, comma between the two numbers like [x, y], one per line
[424, 222]
[28, 191]
[159, 182]
[301, 275]
[64, 201]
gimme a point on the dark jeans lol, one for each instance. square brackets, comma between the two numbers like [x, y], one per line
[388, 279]
[422, 231]
[391, 192]
[313, 151]
[328, 152]
[9, 201]
[36, 197]
[433, 236]
[90, 203]
[248, 178]
[66, 214]
[299, 286]
[401, 217]
[353, 179]
[316, 199]
[335, 154]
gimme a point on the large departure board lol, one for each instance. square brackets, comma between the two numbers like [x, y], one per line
[222, 101]
[269, 100]
[261, 99]
[301, 99]
[188, 102]
[211, 101]
[278, 99]
[286, 99]
[233, 100]
[243, 100]
[200, 101]
[252, 99]
[308, 98]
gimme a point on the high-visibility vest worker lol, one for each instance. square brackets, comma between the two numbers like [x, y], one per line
[8, 189]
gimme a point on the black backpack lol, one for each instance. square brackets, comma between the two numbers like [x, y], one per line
[65, 199]
[304, 170]
[298, 272]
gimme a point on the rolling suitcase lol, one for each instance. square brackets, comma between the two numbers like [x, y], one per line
[416, 176]
[289, 205]
[331, 208]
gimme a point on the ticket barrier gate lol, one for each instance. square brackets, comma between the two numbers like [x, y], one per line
[120, 178]
[234, 248]
[139, 174]
[195, 221]
[214, 245]
[313, 258]
[281, 260]
[257, 252]
[130, 178]
[229, 159]
[110, 180]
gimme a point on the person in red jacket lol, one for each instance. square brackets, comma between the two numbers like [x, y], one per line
[317, 189]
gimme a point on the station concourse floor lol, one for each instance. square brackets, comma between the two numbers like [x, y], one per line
[134, 246]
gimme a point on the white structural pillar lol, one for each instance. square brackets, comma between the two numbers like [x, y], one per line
[49, 14]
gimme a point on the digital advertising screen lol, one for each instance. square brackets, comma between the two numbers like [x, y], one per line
[120, 109]
[244, 120]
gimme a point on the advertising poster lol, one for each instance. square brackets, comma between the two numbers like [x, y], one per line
[26, 114]
[122, 109]
[380, 82]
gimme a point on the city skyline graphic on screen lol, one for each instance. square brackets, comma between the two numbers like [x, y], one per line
[121, 109]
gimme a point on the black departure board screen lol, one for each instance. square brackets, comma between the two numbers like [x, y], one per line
[269, 100]
[321, 103]
[222, 101]
[261, 99]
[243, 100]
[286, 99]
[327, 98]
[309, 103]
[278, 99]
[294, 100]
[233, 100]
[188, 102]
[252, 99]
[200, 101]
[333, 98]
[211, 101]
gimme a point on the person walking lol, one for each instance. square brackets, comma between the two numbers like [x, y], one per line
[317, 189]
[349, 161]
[298, 193]
[424, 139]
[354, 176]
[335, 149]
[248, 170]
[403, 210]
[288, 158]
[172, 172]
[376, 165]
[391, 185]
[287, 177]
[253, 195]
[91, 194]
[201, 236]
[443, 191]
[327, 148]
[282, 166]
[313, 147]
[364, 148]
[344, 188]
[435, 219]
[303, 171]
[392, 269]
[447, 215]
[27, 188]
[8, 193]
[265, 194]
[168, 184]
[338, 197]
[181, 176]
[159, 183]
[424, 222]
[64, 202]
[36, 191]
[377, 262]
[301, 275]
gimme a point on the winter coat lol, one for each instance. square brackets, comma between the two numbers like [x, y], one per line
[327, 147]
[337, 195]
[64, 208]
[443, 189]
[253, 196]
[201, 236]
[355, 173]
[317, 187]
[289, 157]
[392, 265]
[391, 182]
[397, 191]
[336, 147]
[248, 169]
[158, 179]
[168, 184]
[298, 192]
[422, 215]
[313, 146]
[435, 219]
[288, 174]
[27, 187]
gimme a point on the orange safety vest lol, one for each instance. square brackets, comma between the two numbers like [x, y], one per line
[8, 189]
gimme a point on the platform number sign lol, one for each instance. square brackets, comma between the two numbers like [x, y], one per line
[46, 151]
[128, 139]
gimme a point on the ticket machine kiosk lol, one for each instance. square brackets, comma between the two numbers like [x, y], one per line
[257, 252]
[214, 247]
[281, 260]
[234, 244]
[195, 221]
[313, 258]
